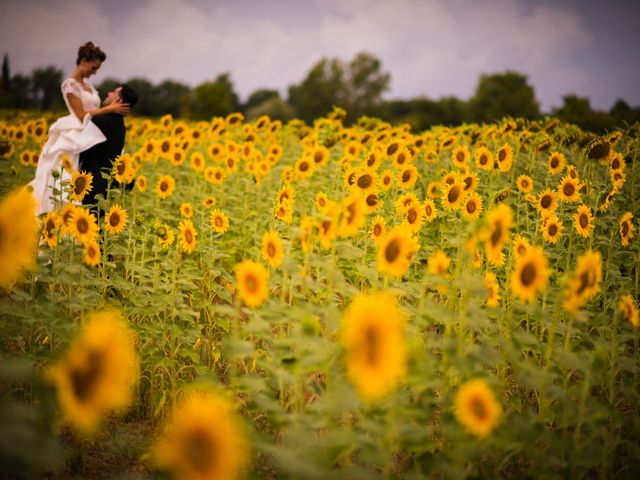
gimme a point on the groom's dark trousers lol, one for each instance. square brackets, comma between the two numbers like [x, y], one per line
[99, 158]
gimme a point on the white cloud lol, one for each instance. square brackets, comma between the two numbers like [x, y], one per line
[432, 48]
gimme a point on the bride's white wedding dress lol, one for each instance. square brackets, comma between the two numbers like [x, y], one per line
[67, 136]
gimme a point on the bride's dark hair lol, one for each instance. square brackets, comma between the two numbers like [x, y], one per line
[89, 52]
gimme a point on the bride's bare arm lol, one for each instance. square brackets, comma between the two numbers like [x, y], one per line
[76, 105]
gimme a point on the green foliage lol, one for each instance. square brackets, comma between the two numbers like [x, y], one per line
[216, 98]
[503, 95]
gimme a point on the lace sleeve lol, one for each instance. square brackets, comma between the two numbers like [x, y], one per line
[71, 86]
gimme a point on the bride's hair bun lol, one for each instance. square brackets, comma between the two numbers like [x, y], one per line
[89, 52]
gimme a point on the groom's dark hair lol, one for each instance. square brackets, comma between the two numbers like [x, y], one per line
[128, 95]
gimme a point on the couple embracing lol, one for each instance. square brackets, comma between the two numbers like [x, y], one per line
[92, 136]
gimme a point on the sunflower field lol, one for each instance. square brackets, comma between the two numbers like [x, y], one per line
[278, 300]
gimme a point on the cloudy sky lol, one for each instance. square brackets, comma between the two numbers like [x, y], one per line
[431, 48]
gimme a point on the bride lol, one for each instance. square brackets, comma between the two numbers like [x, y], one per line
[75, 132]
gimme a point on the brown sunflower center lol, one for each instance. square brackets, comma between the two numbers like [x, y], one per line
[318, 157]
[84, 378]
[412, 216]
[553, 229]
[377, 230]
[568, 189]
[545, 201]
[271, 250]
[79, 186]
[164, 186]
[454, 194]
[392, 250]
[478, 408]
[251, 282]
[483, 159]
[82, 225]
[406, 176]
[460, 157]
[188, 236]
[200, 451]
[502, 155]
[554, 162]
[528, 274]
[371, 346]
[496, 235]
[114, 219]
[584, 220]
[471, 206]
[365, 181]
[624, 229]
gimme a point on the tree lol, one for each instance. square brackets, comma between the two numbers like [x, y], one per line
[274, 107]
[144, 90]
[20, 93]
[216, 98]
[578, 110]
[45, 85]
[168, 98]
[5, 82]
[503, 94]
[258, 97]
[356, 87]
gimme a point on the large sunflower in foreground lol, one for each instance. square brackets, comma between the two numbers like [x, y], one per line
[98, 372]
[252, 283]
[204, 439]
[529, 275]
[476, 408]
[373, 335]
[19, 232]
[395, 252]
[272, 250]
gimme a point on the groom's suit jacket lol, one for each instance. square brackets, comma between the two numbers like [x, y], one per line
[99, 158]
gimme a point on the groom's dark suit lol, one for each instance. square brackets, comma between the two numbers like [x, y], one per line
[99, 158]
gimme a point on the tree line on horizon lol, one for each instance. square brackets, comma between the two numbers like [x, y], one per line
[357, 86]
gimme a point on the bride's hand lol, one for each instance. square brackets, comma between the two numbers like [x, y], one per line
[119, 108]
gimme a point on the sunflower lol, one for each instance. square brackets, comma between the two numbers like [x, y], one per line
[197, 162]
[629, 309]
[439, 263]
[430, 210]
[83, 225]
[395, 252]
[66, 215]
[188, 235]
[617, 162]
[493, 289]
[373, 335]
[520, 245]
[81, 184]
[165, 186]
[551, 229]
[373, 159]
[484, 158]
[320, 156]
[583, 221]
[149, 148]
[626, 228]
[453, 196]
[141, 183]
[547, 201]
[25, 157]
[353, 215]
[204, 438]
[406, 200]
[585, 283]
[617, 178]
[214, 175]
[303, 167]
[460, 155]
[98, 372]
[378, 229]
[402, 158]
[177, 157]
[65, 160]
[598, 149]
[365, 181]
[186, 210]
[529, 275]
[470, 180]
[372, 202]
[472, 206]
[525, 183]
[272, 250]
[252, 283]
[166, 235]
[476, 408]
[504, 158]
[91, 254]
[122, 168]
[215, 152]
[569, 189]
[116, 219]
[500, 219]
[556, 163]
[386, 180]
[234, 119]
[284, 211]
[408, 176]
[413, 217]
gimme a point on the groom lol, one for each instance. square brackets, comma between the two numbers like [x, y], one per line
[99, 158]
